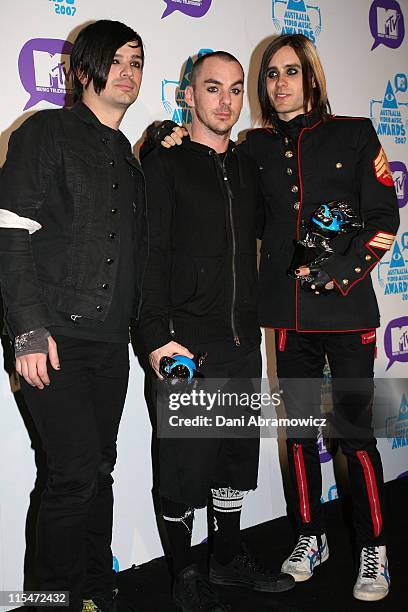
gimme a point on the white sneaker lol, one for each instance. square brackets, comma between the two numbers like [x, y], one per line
[373, 581]
[306, 555]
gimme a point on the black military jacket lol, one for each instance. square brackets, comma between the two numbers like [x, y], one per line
[338, 159]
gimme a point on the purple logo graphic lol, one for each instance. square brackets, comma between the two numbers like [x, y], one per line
[399, 174]
[386, 23]
[192, 8]
[45, 73]
[324, 454]
[396, 341]
[403, 475]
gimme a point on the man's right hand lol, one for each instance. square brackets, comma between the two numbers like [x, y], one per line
[175, 138]
[33, 367]
[168, 350]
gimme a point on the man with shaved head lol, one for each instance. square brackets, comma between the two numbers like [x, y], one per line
[199, 297]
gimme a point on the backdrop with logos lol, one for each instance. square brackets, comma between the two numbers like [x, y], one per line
[364, 51]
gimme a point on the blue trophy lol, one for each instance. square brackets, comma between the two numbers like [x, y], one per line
[327, 222]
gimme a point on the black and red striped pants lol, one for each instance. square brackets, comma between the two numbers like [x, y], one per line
[301, 357]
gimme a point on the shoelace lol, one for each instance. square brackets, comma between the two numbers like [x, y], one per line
[369, 562]
[301, 548]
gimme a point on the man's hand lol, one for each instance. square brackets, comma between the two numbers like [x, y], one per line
[33, 367]
[175, 138]
[168, 350]
[305, 271]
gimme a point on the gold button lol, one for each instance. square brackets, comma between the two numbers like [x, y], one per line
[288, 154]
[345, 281]
[339, 165]
[358, 270]
[289, 171]
[296, 205]
[286, 141]
[368, 257]
[294, 189]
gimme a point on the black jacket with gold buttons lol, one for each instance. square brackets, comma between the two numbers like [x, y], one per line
[310, 163]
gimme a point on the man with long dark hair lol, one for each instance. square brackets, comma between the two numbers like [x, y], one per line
[307, 158]
[72, 255]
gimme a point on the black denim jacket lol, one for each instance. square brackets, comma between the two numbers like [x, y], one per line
[58, 172]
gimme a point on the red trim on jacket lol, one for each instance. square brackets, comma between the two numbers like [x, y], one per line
[344, 291]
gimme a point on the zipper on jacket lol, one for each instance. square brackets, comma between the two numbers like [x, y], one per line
[234, 249]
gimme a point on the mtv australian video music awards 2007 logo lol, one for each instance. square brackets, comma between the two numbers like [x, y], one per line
[390, 114]
[45, 71]
[397, 426]
[67, 8]
[173, 93]
[392, 270]
[297, 17]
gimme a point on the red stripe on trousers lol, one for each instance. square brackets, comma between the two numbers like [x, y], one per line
[301, 478]
[372, 491]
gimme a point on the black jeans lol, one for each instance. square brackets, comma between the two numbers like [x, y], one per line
[77, 418]
[350, 355]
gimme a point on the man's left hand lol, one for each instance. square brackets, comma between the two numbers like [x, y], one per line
[319, 280]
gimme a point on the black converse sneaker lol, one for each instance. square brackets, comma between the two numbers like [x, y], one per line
[193, 593]
[373, 581]
[245, 571]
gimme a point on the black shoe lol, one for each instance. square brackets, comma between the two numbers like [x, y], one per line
[192, 592]
[245, 571]
[101, 604]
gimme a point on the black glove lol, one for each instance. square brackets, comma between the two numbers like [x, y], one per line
[316, 281]
[156, 132]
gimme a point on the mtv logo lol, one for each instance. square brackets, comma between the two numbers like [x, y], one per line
[387, 22]
[52, 70]
[399, 340]
[399, 177]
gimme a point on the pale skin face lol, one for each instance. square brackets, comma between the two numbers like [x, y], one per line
[216, 102]
[122, 86]
[284, 83]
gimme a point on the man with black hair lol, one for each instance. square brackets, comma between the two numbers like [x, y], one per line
[72, 256]
[200, 297]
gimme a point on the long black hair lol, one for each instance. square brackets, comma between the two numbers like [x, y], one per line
[94, 50]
